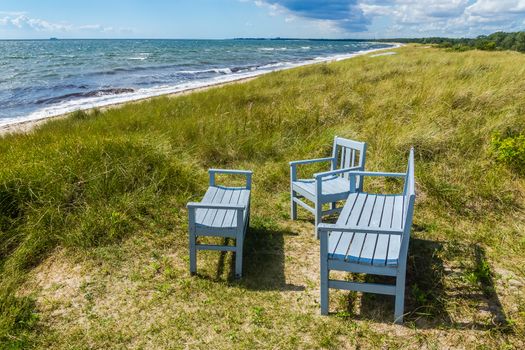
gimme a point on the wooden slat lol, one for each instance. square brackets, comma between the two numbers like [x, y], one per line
[210, 215]
[356, 211]
[375, 220]
[338, 242]
[369, 247]
[348, 207]
[334, 185]
[388, 221]
[374, 255]
[388, 207]
[393, 250]
[340, 265]
[208, 198]
[230, 218]
[366, 215]
[354, 251]
[343, 157]
[224, 248]
[381, 252]
[221, 213]
[397, 214]
[369, 244]
[368, 211]
[349, 143]
[363, 287]
[347, 239]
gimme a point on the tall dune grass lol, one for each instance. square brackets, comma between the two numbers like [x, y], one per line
[97, 177]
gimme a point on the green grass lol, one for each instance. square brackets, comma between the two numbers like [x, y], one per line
[93, 220]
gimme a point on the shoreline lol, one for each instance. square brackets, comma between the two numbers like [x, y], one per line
[26, 126]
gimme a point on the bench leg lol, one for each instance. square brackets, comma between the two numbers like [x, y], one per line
[239, 242]
[293, 205]
[193, 253]
[318, 216]
[333, 205]
[400, 298]
[324, 275]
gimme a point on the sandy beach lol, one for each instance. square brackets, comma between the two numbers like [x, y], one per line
[29, 125]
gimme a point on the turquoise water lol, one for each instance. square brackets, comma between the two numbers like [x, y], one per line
[51, 77]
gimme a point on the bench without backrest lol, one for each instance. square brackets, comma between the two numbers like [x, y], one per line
[222, 212]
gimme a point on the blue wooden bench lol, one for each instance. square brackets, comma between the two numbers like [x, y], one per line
[330, 186]
[222, 212]
[370, 236]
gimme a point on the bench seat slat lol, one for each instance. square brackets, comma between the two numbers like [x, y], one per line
[341, 241]
[335, 237]
[369, 245]
[222, 218]
[368, 211]
[354, 242]
[212, 213]
[231, 214]
[331, 185]
[210, 194]
[388, 207]
[354, 251]
[393, 250]
[397, 216]
[380, 254]
[221, 213]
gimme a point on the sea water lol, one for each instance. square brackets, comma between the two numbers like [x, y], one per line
[43, 78]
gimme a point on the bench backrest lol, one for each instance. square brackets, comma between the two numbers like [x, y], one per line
[409, 191]
[409, 194]
[347, 154]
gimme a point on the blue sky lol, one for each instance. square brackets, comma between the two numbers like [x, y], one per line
[22, 19]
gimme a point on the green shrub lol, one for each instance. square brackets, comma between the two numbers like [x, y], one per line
[510, 151]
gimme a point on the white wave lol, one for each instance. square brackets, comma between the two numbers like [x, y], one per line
[140, 57]
[106, 100]
[213, 70]
[305, 47]
[273, 48]
[275, 65]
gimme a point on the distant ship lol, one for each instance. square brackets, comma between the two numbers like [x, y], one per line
[53, 38]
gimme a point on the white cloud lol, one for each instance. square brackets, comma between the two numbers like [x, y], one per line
[486, 8]
[403, 17]
[20, 20]
[454, 17]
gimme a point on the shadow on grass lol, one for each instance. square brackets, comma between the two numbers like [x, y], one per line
[263, 260]
[449, 285]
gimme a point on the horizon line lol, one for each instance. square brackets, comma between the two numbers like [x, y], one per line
[235, 38]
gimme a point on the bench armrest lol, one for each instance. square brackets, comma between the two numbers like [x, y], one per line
[376, 173]
[337, 172]
[200, 205]
[294, 164]
[325, 228]
[309, 161]
[246, 173]
[352, 177]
